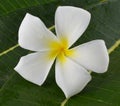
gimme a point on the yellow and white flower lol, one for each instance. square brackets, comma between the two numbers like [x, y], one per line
[72, 65]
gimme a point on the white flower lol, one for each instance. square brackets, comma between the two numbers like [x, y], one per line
[72, 65]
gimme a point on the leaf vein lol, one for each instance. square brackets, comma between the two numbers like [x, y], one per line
[17, 45]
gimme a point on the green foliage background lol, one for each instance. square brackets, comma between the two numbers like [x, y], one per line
[103, 90]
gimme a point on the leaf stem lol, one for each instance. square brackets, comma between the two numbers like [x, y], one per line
[64, 102]
[52, 27]
[17, 45]
[112, 48]
[8, 50]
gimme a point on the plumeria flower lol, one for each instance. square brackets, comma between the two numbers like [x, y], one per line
[72, 65]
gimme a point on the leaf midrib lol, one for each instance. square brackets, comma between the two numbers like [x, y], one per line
[95, 99]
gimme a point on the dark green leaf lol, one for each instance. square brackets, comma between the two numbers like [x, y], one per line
[103, 90]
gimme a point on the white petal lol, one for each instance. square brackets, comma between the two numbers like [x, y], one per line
[71, 22]
[93, 56]
[34, 67]
[34, 35]
[71, 77]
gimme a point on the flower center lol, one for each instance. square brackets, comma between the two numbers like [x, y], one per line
[63, 52]
[60, 50]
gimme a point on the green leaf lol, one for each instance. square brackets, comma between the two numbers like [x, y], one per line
[103, 90]
[9, 25]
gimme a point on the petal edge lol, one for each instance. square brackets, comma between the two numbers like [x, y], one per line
[71, 22]
[33, 34]
[71, 77]
[93, 56]
[34, 67]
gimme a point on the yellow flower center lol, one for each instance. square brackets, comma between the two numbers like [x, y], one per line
[60, 50]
